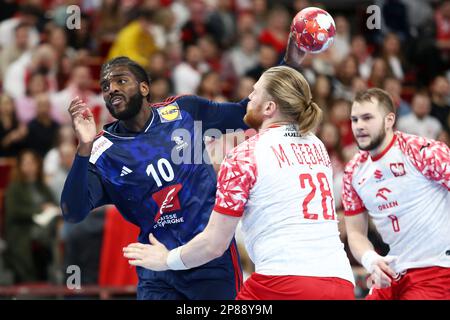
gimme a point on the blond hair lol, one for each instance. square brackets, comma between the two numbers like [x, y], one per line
[291, 92]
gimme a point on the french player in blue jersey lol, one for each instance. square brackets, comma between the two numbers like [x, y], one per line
[151, 165]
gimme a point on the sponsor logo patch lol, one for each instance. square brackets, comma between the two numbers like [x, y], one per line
[169, 113]
[100, 145]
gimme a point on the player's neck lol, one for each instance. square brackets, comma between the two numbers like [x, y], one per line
[382, 147]
[138, 123]
[274, 123]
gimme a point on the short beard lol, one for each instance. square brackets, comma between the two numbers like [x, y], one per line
[375, 143]
[133, 107]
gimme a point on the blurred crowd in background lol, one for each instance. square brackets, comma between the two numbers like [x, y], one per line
[214, 48]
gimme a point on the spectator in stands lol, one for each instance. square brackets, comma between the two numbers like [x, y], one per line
[419, 122]
[393, 56]
[341, 43]
[42, 59]
[12, 133]
[440, 108]
[379, 72]
[361, 52]
[244, 56]
[268, 57]
[210, 87]
[322, 93]
[346, 72]
[42, 130]
[187, 75]
[27, 254]
[80, 84]
[12, 51]
[108, 21]
[393, 86]
[136, 40]
[276, 32]
[160, 89]
[26, 105]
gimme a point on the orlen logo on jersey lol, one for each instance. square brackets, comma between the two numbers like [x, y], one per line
[398, 169]
[381, 193]
[167, 200]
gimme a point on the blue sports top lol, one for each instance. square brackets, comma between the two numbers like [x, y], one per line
[159, 179]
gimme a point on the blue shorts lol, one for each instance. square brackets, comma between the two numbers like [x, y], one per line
[219, 279]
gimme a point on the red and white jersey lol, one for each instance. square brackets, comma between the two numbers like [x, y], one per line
[280, 182]
[405, 190]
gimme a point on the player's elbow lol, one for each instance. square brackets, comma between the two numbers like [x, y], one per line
[70, 215]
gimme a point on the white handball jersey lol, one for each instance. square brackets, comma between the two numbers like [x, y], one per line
[405, 189]
[281, 183]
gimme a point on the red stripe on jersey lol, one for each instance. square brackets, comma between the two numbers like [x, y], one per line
[99, 134]
[167, 101]
[379, 156]
[354, 212]
[236, 266]
[228, 212]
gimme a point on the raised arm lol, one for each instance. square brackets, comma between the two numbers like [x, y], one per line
[83, 190]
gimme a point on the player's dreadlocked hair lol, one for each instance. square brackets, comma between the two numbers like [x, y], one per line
[138, 71]
[290, 90]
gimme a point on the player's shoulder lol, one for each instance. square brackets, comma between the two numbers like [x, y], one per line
[416, 146]
[245, 151]
[180, 100]
[356, 162]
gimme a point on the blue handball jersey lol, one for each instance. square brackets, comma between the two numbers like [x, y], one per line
[160, 179]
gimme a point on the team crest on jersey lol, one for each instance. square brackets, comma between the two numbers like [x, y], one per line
[398, 169]
[167, 201]
[169, 113]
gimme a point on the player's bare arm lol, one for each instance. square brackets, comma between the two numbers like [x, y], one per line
[363, 251]
[84, 125]
[211, 243]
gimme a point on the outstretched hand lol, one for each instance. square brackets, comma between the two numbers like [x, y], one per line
[382, 273]
[83, 124]
[294, 56]
[151, 256]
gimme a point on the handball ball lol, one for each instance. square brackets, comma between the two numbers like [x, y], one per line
[313, 30]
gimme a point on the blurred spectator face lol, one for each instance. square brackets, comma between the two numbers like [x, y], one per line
[391, 44]
[208, 47]
[58, 39]
[198, 11]
[267, 56]
[342, 26]
[159, 90]
[340, 111]
[259, 7]
[66, 134]
[393, 86]
[278, 19]
[440, 86]
[379, 69]
[158, 63]
[358, 85]
[329, 134]
[194, 55]
[421, 105]
[301, 4]
[66, 154]
[81, 78]
[349, 67]
[22, 36]
[37, 84]
[322, 87]
[245, 87]
[210, 84]
[444, 136]
[44, 58]
[249, 43]
[246, 23]
[359, 46]
[29, 166]
[43, 106]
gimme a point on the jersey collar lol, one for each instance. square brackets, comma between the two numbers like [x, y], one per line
[381, 154]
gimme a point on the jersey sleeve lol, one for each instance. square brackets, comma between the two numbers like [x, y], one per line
[82, 192]
[351, 201]
[430, 157]
[215, 115]
[236, 177]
